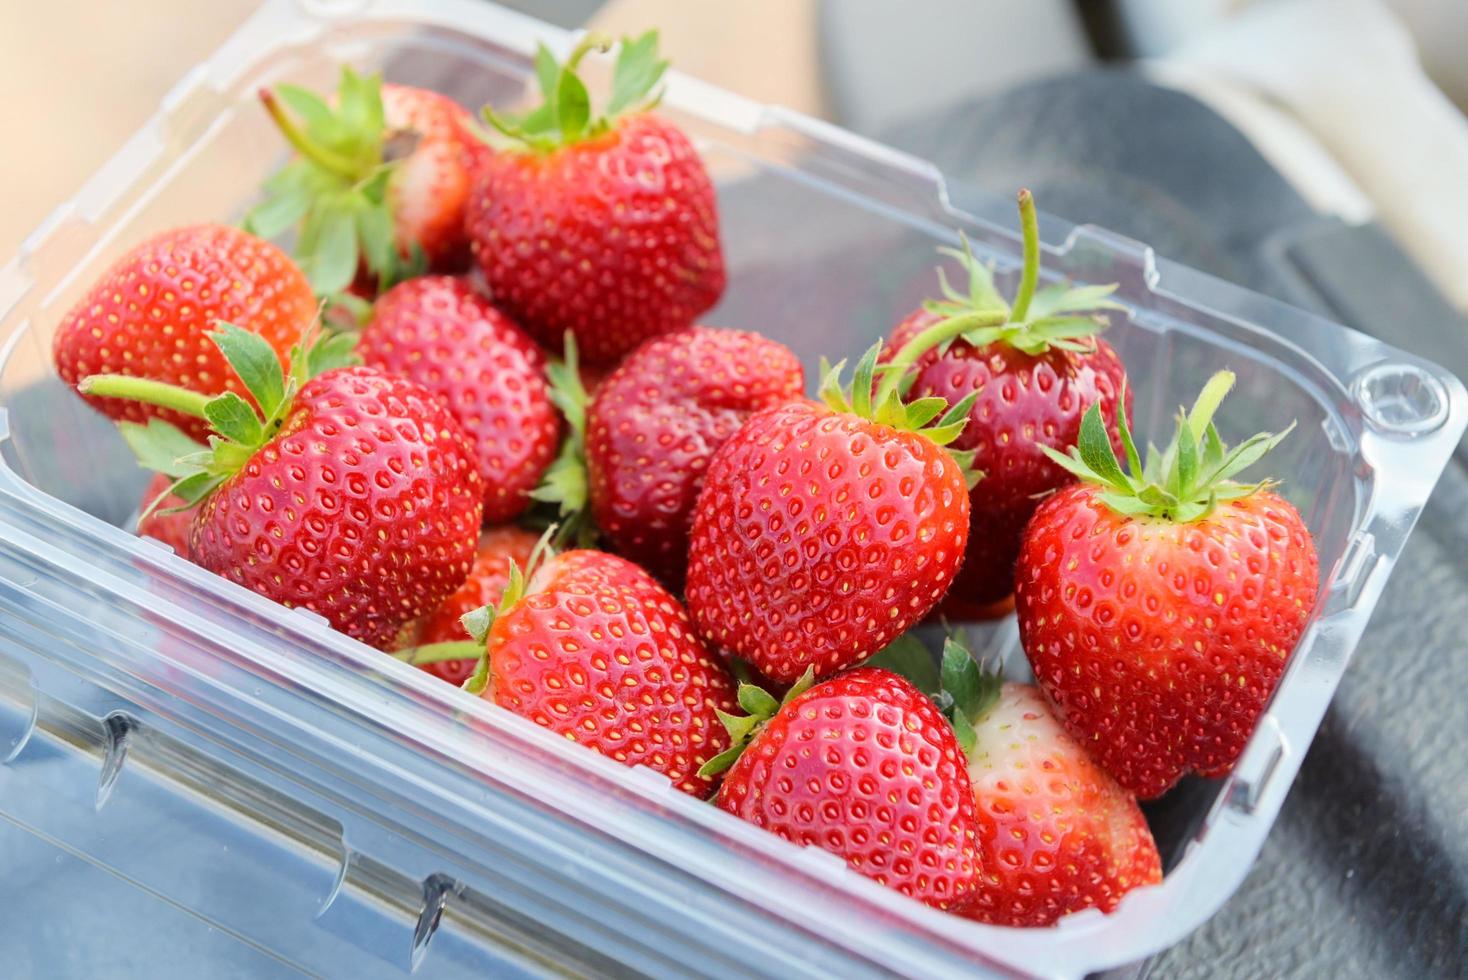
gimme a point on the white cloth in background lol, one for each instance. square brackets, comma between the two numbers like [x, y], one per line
[1378, 135]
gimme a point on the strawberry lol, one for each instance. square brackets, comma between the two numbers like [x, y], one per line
[150, 314]
[861, 765]
[605, 225]
[439, 332]
[596, 650]
[653, 426]
[1056, 833]
[441, 633]
[379, 183]
[1035, 375]
[160, 517]
[352, 494]
[1159, 604]
[823, 531]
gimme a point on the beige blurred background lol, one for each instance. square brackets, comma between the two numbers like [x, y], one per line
[79, 76]
[1316, 84]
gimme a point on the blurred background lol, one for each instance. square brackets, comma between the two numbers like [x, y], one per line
[1314, 150]
[1358, 104]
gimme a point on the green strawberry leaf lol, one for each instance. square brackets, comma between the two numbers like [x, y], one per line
[963, 732]
[1094, 447]
[573, 106]
[255, 361]
[638, 70]
[329, 257]
[375, 236]
[968, 690]
[321, 122]
[477, 622]
[908, 657]
[721, 762]
[162, 447]
[1183, 482]
[195, 488]
[547, 69]
[234, 419]
[757, 701]
[332, 351]
[283, 208]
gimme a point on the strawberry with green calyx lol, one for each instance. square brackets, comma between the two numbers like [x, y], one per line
[651, 429]
[346, 491]
[564, 481]
[1158, 603]
[237, 428]
[606, 223]
[150, 314]
[824, 530]
[591, 647]
[1034, 374]
[380, 181]
[1056, 833]
[861, 765]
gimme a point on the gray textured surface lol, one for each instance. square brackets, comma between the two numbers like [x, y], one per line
[1366, 872]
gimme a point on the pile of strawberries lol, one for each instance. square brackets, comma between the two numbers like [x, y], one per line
[472, 421]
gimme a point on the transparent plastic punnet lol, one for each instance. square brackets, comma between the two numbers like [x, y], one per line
[336, 811]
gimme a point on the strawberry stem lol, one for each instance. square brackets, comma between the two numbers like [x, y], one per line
[1030, 276]
[145, 390]
[433, 653]
[303, 144]
[939, 333]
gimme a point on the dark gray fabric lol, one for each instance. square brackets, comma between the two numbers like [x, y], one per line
[1366, 872]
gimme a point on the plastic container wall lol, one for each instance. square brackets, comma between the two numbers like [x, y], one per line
[342, 812]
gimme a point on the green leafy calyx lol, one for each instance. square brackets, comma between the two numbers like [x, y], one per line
[566, 116]
[1058, 316]
[966, 693]
[564, 482]
[238, 429]
[878, 388]
[336, 191]
[759, 707]
[478, 622]
[1182, 483]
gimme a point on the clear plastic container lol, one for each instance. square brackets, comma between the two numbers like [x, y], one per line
[329, 809]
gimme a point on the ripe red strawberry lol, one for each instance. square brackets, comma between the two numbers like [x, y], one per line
[379, 184]
[1035, 376]
[352, 494]
[823, 531]
[1158, 605]
[150, 314]
[1056, 833]
[656, 422]
[439, 332]
[864, 766]
[605, 226]
[429, 192]
[595, 650]
[441, 645]
[160, 520]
